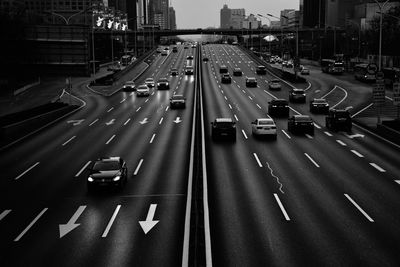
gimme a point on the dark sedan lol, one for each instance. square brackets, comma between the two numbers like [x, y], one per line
[301, 124]
[319, 105]
[108, 171]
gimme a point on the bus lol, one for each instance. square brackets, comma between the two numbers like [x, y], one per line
[332, 66]
[365, 72]
[126, 60]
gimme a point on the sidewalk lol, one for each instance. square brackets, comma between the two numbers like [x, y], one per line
[49, 90]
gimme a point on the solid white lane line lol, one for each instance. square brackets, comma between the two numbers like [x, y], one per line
[313, 161]
[110, 109]
[258, 160]
[138, 167]
[83, 168]
[127, 121]
[30, 168]
[309, 136]
[317, 126]
[359, 208]
[93, 122]
[230, 106]
[4, 214]
[110, 223]
[69, 140]
[152, 138]
[30, 225]
[281, 207]
[258, 106]
[376, 166]
[122, 101]
[341, 142]
[138, 109]
[236, 118]
[357, 153]
[328, 133]
[287, 135]
[109, 140]
[244, 134]
[161, 120]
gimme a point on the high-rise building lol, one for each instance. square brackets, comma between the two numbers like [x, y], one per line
[232, 18]
[313, 13]
[285, 17]
[172, 18]
[364, 13]
[225, 17]
[159, 13]
[251, 22]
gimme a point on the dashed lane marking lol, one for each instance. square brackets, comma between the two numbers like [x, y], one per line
[328, 133]
[357, 153]
[83, 168]
[25, 172]
[152, 138]
[96, 120]
[127, 121]
[258, 160]
[287, 135]
[359, 208]
[244, 134]
[69, 140]
[110, 223]
[109, 140]
[281, 207]
[110, 109]
[30, 225]
[341, 142]
[4, 214]
[312, 160]
[138, 167]
[376, 166]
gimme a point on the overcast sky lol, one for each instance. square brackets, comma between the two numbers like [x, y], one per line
[191, 14]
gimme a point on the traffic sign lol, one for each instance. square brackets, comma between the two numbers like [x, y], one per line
[396, 93]
[378, 93]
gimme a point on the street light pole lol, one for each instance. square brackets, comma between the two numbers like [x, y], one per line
[281, 33]
[380, 31]
[269, 42]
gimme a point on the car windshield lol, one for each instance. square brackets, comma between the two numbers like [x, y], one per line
[129, 83]
[143, 87]
[320, 101]
[275, 81]
[106, 166]
[298, 92]
[266, 122]
[303, 119]
[163, 80]
[149, 80]
[178, 97]
[342, 114]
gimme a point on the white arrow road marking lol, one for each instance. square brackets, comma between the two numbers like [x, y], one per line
[69, 140]
[30, 168]
[178, 120]
[359, 208]
[71, 225]
[110, 223]
[149, 223]
[313, 161]
[351, 136]
[110, 122]
[144, 121]
[83, 168]
[93, 122]
[30, 225]
[138, 167]
[281, 207]
[4, 214]
[75, 122]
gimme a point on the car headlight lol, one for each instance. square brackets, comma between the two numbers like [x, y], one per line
[90, 179]
[116, 178]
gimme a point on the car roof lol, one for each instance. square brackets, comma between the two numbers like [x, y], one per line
[319, 100]
[251, 78]
[275, 81]
[129, 82]
[297, 89]
[105, 159]
[163, 79]
[149, 79]
[265, 119]
[223, 120]
[302, 117]
[143, 86]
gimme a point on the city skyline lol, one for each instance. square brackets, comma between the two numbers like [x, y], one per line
[206, 13]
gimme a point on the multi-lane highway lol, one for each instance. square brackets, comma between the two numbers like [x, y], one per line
[331, 198]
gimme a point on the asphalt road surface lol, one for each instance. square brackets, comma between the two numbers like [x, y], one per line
[328, 199]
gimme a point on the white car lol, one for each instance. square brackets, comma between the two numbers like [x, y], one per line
[149, 82]
[143, 90]
[264, 126]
